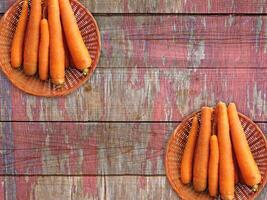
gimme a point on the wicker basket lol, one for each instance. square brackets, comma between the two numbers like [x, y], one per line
[174, 152]
[32, 84]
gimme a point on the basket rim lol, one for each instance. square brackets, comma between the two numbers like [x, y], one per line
[171, 138]
[81, 82]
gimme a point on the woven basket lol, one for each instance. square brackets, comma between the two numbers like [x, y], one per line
[32, 84]
[175, 148]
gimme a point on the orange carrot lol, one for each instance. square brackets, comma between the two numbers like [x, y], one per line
[18, 40]
[187, 159]
[44, 50]
[215, 120]
[79, 52]
[241, 179]
[246, 162]
[200, 169]
[213, 166]
[32, 38]
[226, 164]
[236, 168]
[67, 53]
[57, 54]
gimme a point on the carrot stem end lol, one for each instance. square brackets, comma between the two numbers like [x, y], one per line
[85, 72]
[255, 188]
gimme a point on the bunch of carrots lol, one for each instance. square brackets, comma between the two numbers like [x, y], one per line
[46, 45]
[218, 157]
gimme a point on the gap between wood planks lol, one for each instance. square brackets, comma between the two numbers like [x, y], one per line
[173, 14]
[82, 175]
[108, 122]
[179, 14]
[156, 14]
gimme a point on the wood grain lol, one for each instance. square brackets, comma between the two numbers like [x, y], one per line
[153, 68]
[183, 41]
[168, 6]
[87, 187]
[90, 187]
[139, 60]
[84, 148]
[178, 6]
[143, 95]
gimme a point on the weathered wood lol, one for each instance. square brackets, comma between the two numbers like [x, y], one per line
[131, 91]
[85, 188]
[91, 187]
[168, 6]
[183, 41]
[84, 148]
[143, 95]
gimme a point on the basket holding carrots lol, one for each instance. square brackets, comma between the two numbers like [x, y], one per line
[218, 156]
[45, 45]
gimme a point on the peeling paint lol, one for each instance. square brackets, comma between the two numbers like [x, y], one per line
[196, 53]
[265, 36]
[209, 6]
[231, 20]
[258, 31]
[259, 102]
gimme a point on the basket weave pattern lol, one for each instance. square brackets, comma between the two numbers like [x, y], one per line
[32, 84]
[175, 149]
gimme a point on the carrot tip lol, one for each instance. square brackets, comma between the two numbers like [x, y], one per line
[85, 72]
[255, 188]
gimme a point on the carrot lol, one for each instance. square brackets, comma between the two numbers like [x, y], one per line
[246, 162]
[187, 159]
[213, 166]
[215, 120]
[241, 179]
[57, 54]
[18, 40]
[79, 53]
[67, 53]
[44, 50]
[226, 164]
[200, 169]
[236, 169]
[32, 38]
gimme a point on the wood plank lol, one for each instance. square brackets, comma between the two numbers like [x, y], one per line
[183, 41]
[85, 188]
[132, 44]
[168, 6]
[89, 187]
[85, 148]
[143, 95]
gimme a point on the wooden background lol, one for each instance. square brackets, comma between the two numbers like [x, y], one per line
[161, 60]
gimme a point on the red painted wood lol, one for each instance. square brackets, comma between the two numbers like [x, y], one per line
[145, 74]
[122, 187]
[138, 58]
[168, 6]
[183, 41]
[107, 188]
[87, 148]
[2, 189]
[132, 95]
[24, 187]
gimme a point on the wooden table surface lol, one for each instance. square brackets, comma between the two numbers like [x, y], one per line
[161, 60]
